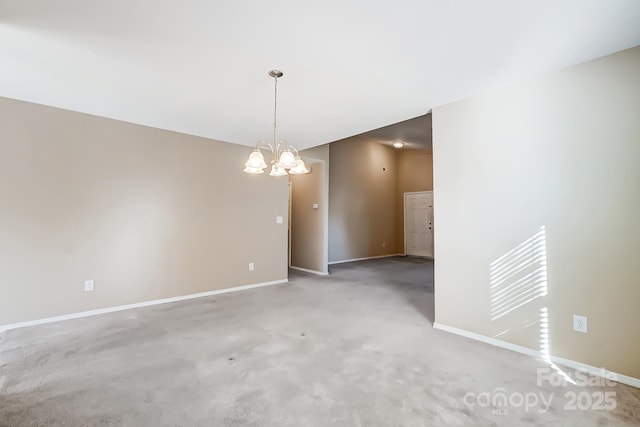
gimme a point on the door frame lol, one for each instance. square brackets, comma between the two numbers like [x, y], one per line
[290, 189]
[404, 215]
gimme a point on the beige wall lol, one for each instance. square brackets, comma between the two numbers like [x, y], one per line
[146, 213]
[561, 152]
[414, 174]
[307, 223]
[316, 155]
[362, 199]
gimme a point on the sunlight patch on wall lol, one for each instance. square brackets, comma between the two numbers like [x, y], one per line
[544, 335]
[519, 276]
[545, 348]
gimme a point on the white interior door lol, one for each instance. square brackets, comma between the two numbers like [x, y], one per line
[418, 223]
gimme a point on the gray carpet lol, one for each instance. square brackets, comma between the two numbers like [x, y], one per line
[352, 349]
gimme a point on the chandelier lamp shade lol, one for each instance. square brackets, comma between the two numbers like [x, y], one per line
[285, 159]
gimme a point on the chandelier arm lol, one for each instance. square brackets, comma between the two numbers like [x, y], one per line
[291, 147]
[265, 145]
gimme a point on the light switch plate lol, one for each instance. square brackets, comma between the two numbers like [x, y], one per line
[88, 285]
[279, 220]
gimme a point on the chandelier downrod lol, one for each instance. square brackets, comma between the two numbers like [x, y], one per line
[275, 74]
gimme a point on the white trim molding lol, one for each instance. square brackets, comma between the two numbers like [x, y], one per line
[624, 379]
[363, 259]
[136, 305]
[306, 270]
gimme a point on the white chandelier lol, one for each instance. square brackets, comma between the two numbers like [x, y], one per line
[282, 154]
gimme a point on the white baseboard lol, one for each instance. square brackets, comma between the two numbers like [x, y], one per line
[363, 259]
[306, 270]
[135, 305]
[624, 379]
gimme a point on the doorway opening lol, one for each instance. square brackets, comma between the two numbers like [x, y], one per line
[308, 219]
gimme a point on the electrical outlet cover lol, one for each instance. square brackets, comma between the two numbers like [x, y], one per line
[580, 324]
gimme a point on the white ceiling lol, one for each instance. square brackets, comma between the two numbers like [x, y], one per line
[200, 66]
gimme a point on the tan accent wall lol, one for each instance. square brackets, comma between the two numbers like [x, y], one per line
[362, 199]
[146, 213]
[307, 223]
[415, 173]
[561, 152]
